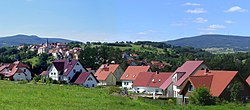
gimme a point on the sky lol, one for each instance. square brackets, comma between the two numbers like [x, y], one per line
[124, 20]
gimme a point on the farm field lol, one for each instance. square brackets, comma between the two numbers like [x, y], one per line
[14, 96]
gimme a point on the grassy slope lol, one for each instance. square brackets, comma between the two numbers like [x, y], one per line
[54, 97]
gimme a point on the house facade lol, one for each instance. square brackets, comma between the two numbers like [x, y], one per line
[219, 84]
[66, 70]
[87, 79]
[16, 71]
[131, 74]
[150, 82]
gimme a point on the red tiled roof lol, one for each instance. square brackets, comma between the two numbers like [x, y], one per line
[132, 72]
[248, 80]
[20, 64]
[151, 79]
[188, 67]
[82, 78]
[14, 71]
[104, 70]
[64, 65]
[219, 82]
[201, 81]
[44, 73]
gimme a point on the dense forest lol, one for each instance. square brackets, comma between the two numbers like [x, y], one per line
[93, 54]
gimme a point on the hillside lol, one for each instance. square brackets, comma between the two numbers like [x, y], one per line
[237, 43]
[30, 96]
[25, 39]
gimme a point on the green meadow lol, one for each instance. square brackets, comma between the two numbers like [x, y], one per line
[15, 96]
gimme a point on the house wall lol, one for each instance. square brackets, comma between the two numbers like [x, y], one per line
[90, 83]
[110, 81]
[125, 85]
[71, 74]
[148, 90]
[27, 72]
[169, 92]
[176, 89]
[118, 73]
[52, 75]
[19, 76]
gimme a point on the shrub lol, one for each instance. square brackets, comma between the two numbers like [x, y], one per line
[201, 96]
[114, 89]
[21, 81]
[48, 80]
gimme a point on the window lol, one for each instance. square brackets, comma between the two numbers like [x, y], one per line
[159, 80]
[54, 73]
[59, 78]
[74, 71]
[124, 83]
[80, 70]
[24, 70]
[90, 79]
[68, 78]
[126, 75]
[77, 63]
[133, 76]
[87, 85]
[93, 85]
[190, 88]
[153, 80]
[18, 73]
[51, 73]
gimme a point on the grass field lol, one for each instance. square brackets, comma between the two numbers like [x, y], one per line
[14, 96]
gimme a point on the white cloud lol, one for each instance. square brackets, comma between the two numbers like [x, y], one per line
[200, 20]
[196, 11]
[236, 9]
[214, 27]
[229, 22]
[191, 4]
[145, 32]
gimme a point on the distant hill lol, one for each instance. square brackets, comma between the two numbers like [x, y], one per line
[25, 39]
[238, 43]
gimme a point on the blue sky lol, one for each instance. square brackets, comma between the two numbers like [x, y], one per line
[124, 20]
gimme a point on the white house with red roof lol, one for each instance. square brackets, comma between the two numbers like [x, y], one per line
[86, 79]
[16, 71]
[109, 74]
[150, 82]
[131, 74]
[66, 70]
[181, 75]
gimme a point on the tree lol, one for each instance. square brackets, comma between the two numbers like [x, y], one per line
[201, 96]
[235, 89]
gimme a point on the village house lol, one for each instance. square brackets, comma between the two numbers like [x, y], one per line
[87, 79]
[66, 70]
[131, 74]
[45, 74]
[16, 71]
[181, 75]
[218, 83]
[150, 82]
[109, 74]
[248, 80]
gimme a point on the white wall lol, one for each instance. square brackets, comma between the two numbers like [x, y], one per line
[128, 86]
[19, 76]
[148, 90]
[53, 70]
[118, 73]
[90, 83]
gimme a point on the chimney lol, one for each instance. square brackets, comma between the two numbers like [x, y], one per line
[206, 71]
[106, 69]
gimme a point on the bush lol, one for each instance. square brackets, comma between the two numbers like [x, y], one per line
[201, 96]
[114, 89]
[21, 81]
[48, 80]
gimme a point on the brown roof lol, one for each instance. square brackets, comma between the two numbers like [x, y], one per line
[132, 72]
[104, 70]
[64, 66]
[82, 78]
[218, 80]
[44, 73]
[151, 79]
[248, 80]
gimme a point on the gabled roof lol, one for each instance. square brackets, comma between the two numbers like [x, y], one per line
[83, 77]
[151, 79]
[44, 73]
[218, 80]
[64, 66]
[20, 64]
[104, 70]
[188, 68]
[14, 71]
[248, 80]
[132, 72]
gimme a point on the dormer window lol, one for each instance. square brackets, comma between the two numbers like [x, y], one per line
[126, 75]
[65, 70]
[190, 88]
[153, 80]
[90, 79]
[159, 80]
[77, 63]
[133, 76]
